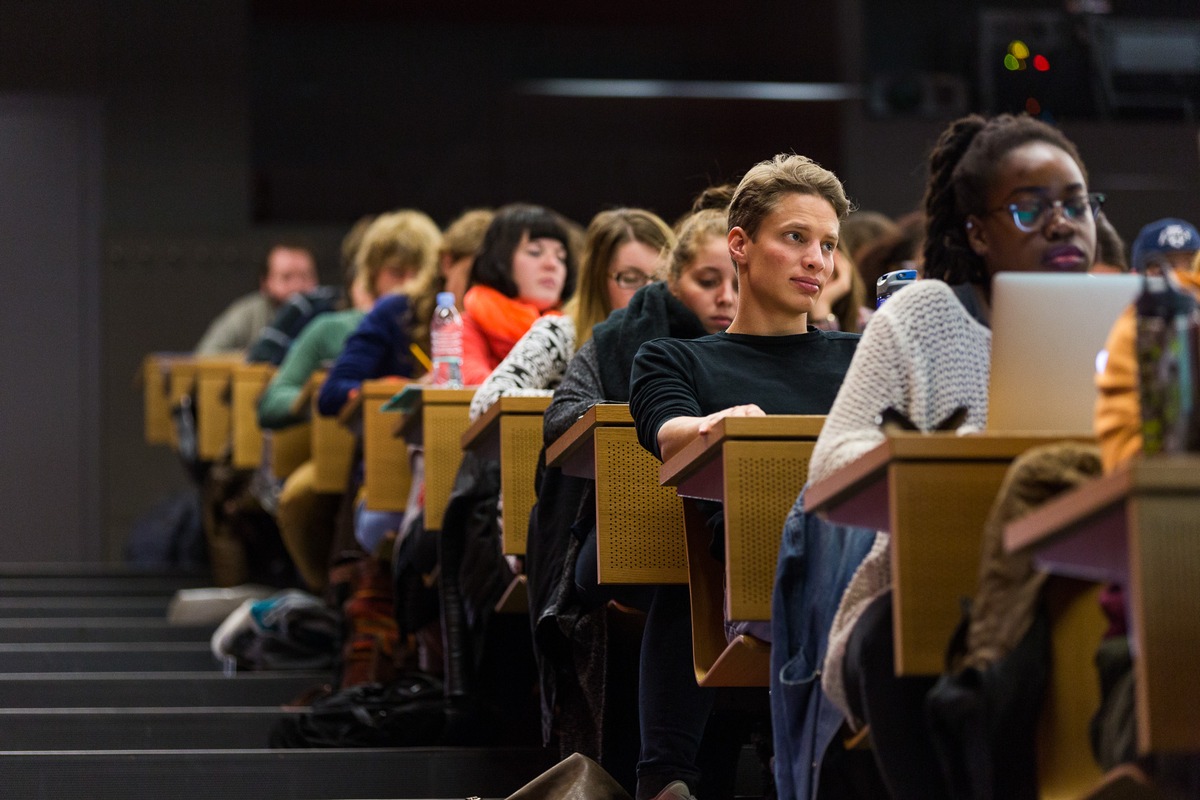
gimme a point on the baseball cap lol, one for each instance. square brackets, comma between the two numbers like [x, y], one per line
[1169, 235]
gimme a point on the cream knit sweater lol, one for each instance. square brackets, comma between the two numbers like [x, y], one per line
[923, 355]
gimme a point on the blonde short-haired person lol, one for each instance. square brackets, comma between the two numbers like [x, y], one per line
[784, 221]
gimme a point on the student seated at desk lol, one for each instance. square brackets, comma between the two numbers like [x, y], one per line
[698, 298]
[621, 254]
[784, 221]
[287, 269]
[525, 269]
[1005, 193]
[306, 518]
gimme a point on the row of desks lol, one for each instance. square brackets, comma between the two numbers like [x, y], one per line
[1139, 526]
[926, 490]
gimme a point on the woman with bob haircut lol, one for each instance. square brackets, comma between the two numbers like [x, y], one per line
[524, 269]
[622, 253]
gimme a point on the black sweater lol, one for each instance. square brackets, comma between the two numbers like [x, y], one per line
[798, 374]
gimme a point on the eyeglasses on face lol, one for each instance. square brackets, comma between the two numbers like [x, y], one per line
[630, 278]
[1032, 213]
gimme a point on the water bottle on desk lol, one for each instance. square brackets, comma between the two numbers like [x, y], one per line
[445, 333]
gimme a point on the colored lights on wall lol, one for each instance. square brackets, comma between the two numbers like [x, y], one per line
[1017, 59]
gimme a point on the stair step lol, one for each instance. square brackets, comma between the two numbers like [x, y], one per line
[150, 689]
[91, 585]
[107, 657]
[276, 774]
[18, 630]
[92, 569]
[137, 728]
[38, 606]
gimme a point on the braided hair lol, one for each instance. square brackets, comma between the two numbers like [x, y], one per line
[962, 167]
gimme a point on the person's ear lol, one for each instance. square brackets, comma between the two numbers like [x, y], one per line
[738, 238]
[976, 236]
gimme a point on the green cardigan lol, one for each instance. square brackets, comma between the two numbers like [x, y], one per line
[319, 342]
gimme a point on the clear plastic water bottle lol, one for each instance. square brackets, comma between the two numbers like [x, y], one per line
[445, 333]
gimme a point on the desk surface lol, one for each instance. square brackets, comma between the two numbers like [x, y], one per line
[1083, 533]
[856, 494]
[485, 431]
[706, 448]
[410, 421]
[578, 442]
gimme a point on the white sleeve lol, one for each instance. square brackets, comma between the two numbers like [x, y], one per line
[876, 380]
[534, 365]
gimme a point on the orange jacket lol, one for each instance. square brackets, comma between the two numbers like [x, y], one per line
[492, 324]
[1118, 418]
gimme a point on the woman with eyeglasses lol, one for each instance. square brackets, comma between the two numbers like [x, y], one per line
[622, 253]
[1003, 193]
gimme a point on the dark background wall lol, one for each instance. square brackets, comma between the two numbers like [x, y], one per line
[228, 122]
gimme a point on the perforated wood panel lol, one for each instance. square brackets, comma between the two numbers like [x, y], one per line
[1066, 769]
[639, 524]
[212, 411]
[1164, 566]
[248, 383]
[762, 480]
[520, 444]
[385, 457]
[290, 447]
[156, 401]
[443, 427]
[333, 453]
[938, 512]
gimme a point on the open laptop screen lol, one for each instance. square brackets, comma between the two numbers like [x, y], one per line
[1048, 329]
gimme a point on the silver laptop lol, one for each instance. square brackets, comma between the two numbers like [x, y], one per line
[1048, 335]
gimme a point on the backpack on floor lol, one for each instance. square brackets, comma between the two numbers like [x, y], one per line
[408, 712]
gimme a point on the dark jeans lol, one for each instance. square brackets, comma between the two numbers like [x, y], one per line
[893, 707]
[673, 708]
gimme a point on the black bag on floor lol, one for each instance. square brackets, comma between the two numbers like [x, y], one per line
[408, 712]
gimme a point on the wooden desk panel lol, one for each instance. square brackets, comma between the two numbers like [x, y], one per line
[214, 379]
[511, 431]
[933, 493]
[181, 384]
[1152, 508]
[249, 381]
[386, 477]
[437, 421]
[756, 466]
[575, 452]
[333, 444]
[159, 427]
[639, 523]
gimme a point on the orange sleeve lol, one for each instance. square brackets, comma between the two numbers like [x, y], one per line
[477, 355]
[1118, 419]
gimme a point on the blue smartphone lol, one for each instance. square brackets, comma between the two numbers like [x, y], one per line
[892, 282]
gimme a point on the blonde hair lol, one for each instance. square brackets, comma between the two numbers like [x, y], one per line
[608, 231]
[460, 240]
[696, 229]
[767, 181]
[464, 235]
[408, 239]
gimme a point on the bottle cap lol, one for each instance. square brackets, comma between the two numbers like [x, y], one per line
[445, 298]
